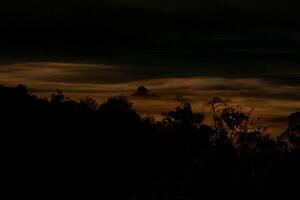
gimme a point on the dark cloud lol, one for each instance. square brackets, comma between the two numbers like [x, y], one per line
[61, 26]
[182, 49]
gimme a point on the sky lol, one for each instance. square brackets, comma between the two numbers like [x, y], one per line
[272, 88]
[245, 50]
[57, 24]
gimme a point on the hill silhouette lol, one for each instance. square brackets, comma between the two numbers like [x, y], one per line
[62, 147]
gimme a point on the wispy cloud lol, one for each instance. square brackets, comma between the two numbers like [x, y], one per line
[271, 99]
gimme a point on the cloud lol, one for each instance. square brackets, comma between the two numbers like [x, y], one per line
[272, 100]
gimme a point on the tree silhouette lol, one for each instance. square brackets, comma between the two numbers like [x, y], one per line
[142, 91]
[58, 97]
[76, 143]
[89, 103]
[215, 106]
[292, 135]
[233, 118]
[183, 118]
[118, 105]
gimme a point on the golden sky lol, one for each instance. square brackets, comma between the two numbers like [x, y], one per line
[273, 102]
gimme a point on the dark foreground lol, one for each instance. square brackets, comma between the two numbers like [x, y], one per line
[58, 147]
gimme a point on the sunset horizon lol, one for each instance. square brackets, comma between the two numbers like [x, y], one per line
[150, 99]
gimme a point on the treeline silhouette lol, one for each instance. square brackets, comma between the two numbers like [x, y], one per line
[59, 147]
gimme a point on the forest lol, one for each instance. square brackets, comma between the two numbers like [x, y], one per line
[59, 147]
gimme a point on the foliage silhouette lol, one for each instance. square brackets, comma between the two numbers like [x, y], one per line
[90, 150]
[142, 91]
